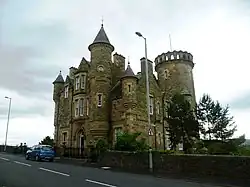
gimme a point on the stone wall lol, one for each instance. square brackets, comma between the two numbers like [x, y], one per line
[230, 168]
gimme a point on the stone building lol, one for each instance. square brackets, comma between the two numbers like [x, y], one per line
[102, 97]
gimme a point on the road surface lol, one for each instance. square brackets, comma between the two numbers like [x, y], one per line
[15, 171]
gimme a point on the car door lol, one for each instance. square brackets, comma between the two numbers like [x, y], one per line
[37, 150]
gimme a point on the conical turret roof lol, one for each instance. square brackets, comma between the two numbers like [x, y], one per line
[129, 72]
[101, 37]
[59, 78]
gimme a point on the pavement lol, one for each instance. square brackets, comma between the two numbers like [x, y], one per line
[15, 171]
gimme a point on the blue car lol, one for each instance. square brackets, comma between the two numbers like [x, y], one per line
[40, 152]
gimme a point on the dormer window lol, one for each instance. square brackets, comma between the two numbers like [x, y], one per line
[83, 81]
[66, 91]
[151, 105]
[99, 100]
[77, 83]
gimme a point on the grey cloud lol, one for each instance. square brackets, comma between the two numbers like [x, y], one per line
[29, 68]
[24, 111]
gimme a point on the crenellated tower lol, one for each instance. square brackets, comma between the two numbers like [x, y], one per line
[100, 77]
[175, 74]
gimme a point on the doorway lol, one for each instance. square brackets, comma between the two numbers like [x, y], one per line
[81, 144]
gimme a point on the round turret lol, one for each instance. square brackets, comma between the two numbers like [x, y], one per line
[175, 74]
[58, 87]
[129, 84]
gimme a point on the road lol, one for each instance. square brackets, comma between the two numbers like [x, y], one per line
[15, 171]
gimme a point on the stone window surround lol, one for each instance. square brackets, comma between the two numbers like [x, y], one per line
[83, 78]
[87, 106]
[77, 82]
[64, 134]
[81, 106]
[129, 87]
[80, 80]
[158, 108]
[166, 102]
[151, 104]
[117, 130]
[99, 99]
[77, 105]
[66, 91]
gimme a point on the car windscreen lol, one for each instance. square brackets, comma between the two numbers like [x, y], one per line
[47, 148]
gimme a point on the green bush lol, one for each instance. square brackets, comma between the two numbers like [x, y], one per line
[244, 151]
[101, 145]
[130, 142]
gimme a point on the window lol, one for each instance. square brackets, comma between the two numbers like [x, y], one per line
[129, 88]
[166, 108]
[77, 83]
[83, 81]
[64, 136]
[66, 91]
[99, 101]
[151, 106]
[87, 107]
[77, 107]
[118, 132]
[81, 106]
[158, 108]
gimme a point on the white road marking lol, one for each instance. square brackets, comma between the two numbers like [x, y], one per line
[100, 183]
[22, 163]
[2, 158]
[64, 174]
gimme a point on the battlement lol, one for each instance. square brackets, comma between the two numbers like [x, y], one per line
[173, 56]
[116, 54]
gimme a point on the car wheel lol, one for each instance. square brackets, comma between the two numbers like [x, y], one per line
[37, 158]
[27, 157]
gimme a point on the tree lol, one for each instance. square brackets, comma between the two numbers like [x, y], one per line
[182, 125]
[130, 142]
[214, 119]
[225, 127]
[47, 141]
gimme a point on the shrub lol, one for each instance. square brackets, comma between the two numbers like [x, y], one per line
[130, 142]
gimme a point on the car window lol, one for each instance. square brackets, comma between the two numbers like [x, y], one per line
[47, 148]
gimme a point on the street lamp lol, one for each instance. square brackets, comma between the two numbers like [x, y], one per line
[147, 97]
[7, 128]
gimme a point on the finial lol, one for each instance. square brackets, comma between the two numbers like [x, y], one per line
[128, 61]
[102, 21]
[60, 73]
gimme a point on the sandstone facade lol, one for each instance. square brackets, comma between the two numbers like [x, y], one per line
[101, 97]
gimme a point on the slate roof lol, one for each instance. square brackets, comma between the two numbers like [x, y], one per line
[101, 37]
[59, 78]
[129, 72]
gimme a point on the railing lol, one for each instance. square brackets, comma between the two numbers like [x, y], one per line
[14, 149]
[80, 153]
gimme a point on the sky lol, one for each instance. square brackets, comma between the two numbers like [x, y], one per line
[40, 38]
